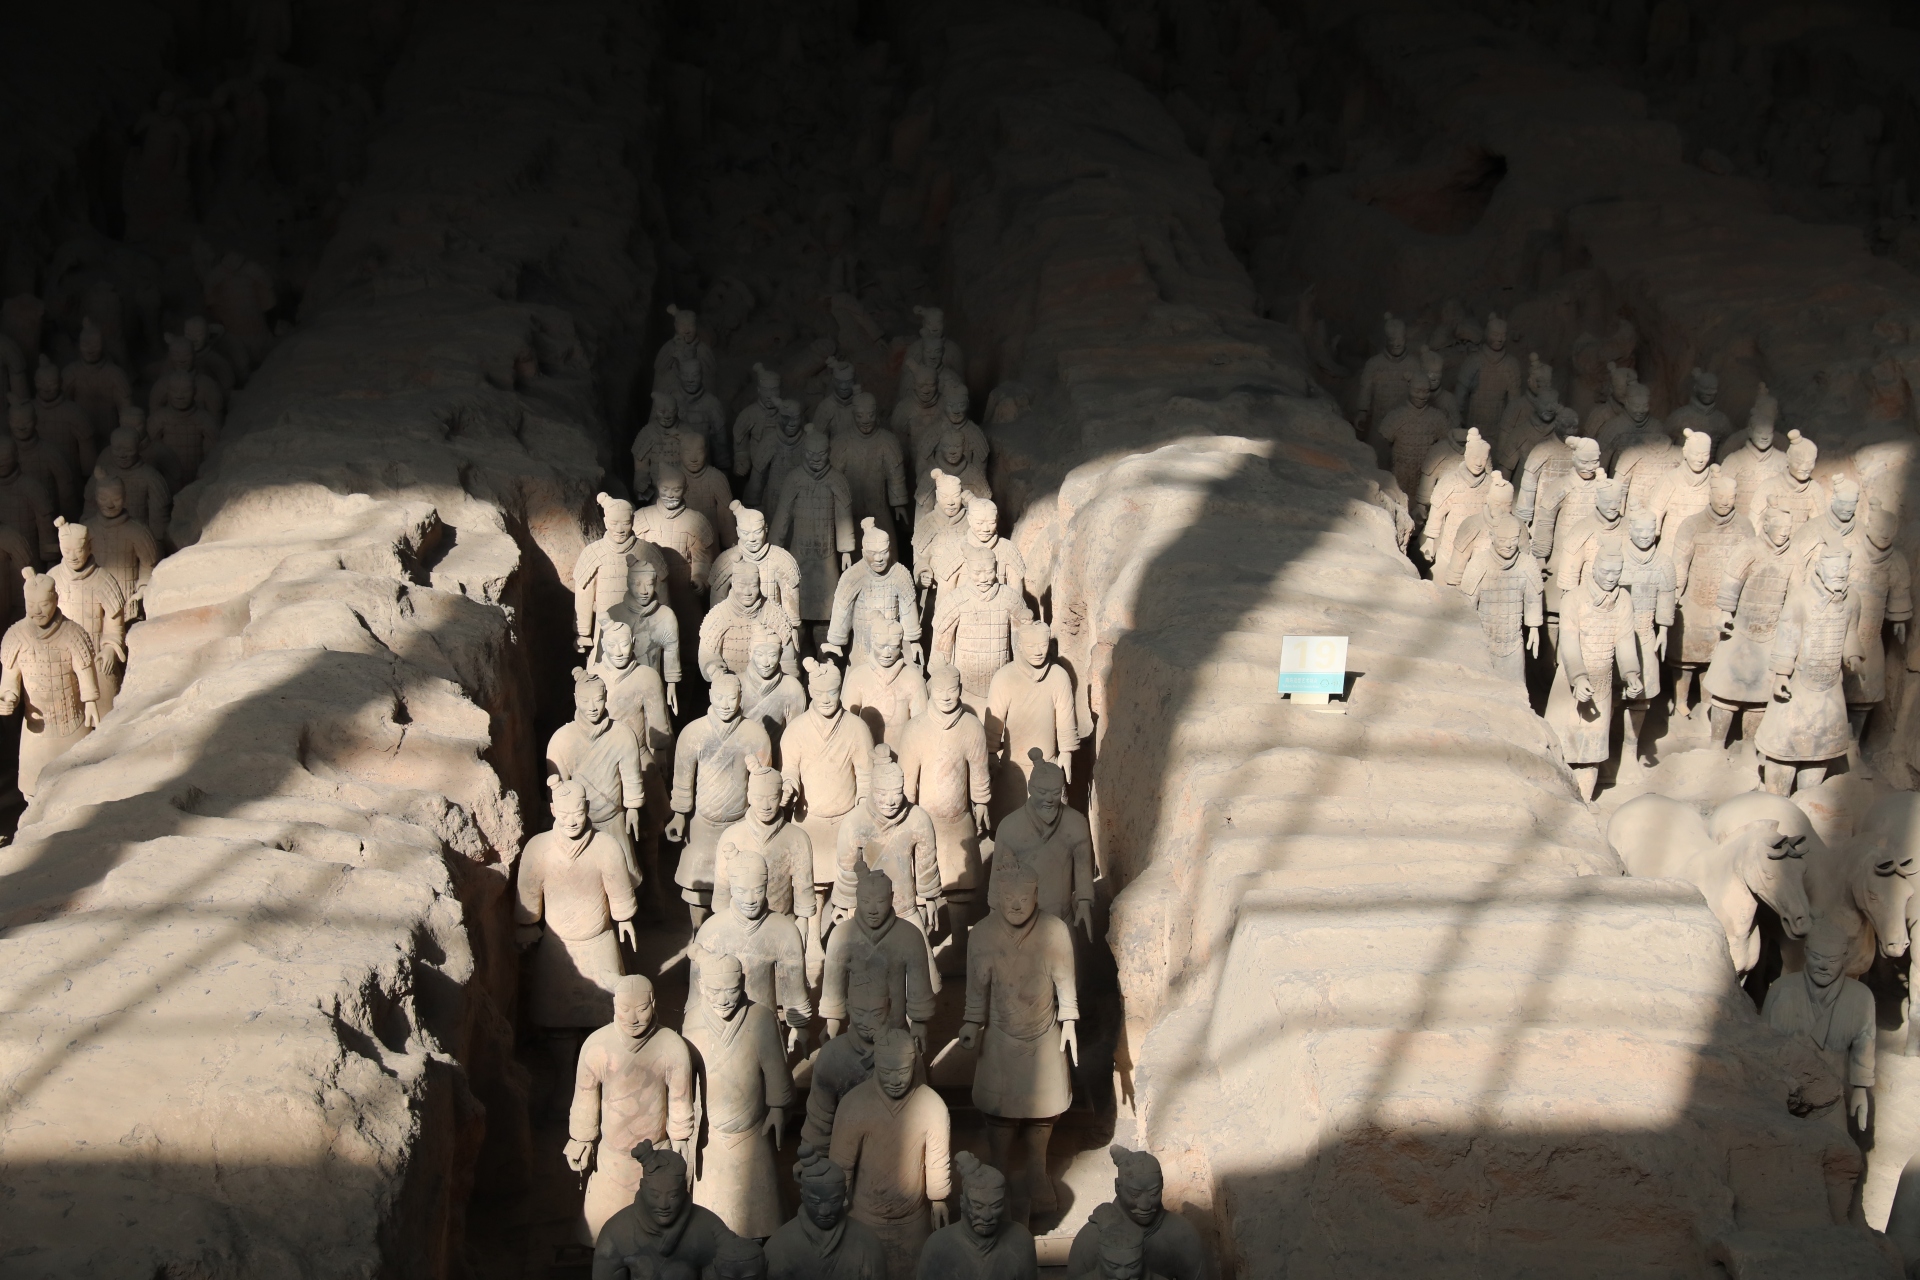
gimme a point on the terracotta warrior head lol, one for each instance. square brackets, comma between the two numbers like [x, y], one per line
[693, 459]
[1504, 534]
[823, 686]
[1846, 499]
[983, 1195]
[686, 324]
[76, 545]
[893, 1059]
[750, 523]
[666, 410]
[692, 376]
[1123, 1246]
[662, 1196]
[948, 496]
[1046, 786]
[1706, 388]
[843, 384]
[1138, 1185]
[1802, 453]
[42, 602]
[1396, 329]
[866, 413]
[569, 808]
[633, 1005]
[616, 644]
[1643, 527]
[1834, 568]
[723, 698]
[643, 584]
[1607, 566]
[983, 521]
[1697, 450]
[589, 697]
[869, 999]
[1479, 454]
[889, 643]
[763, 794]
[617, 515]
[1776, 525]
[1639, 403]
[876, 546]
[1586, 456]
[110, 497]
[1882, 524]
[747, 885]
[1723, 490]
[823, 1188]
[739, 1258]
[723, 983]
[889, 784]
[943, 687]
[817, 453]
[1496, 334]
[767, 381]
[22, 421]
[956, 405]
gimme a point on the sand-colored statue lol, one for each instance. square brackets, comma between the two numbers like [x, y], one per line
[121, 545]
[778, 571]
[1434, 365]
[1052, 840]
[1878, 577]
[1793, 490]
[822, 1242]
[1465, 538]
[601, 570]
[1386, 379]
[633, 1083]
[1172, 1248]
[183, 433]
[874, 589]
[813, 519]
[768, 945]
[182, 359]
[758, 420]
[1635, 431]
[746, 1089]
[686, 540]
[1647, 577]
[1574, 554]
[1599, 424]
[651, 627]
[875, 938]
[1765, 414]
[893, 1137]
[1703, 544]
[943, 519]
[95, 383]
[1701, 412]
[1408, 432]
[768, 691]
[974, 625]
[710, 767]
[833, 416]
[1456, 495]
[1805, 729]
[1443, 459]
[1528, 418]
[782, 847]
[26, 505]
[61, 421]
[736, 625]
[1568, 505]
[948, 556]
[686, 341]
[91, 598]
[41, 461]
[708, 493]
[637, 699]
[826, 759]
[950, 458]
[700, 409]
[602, 756]
[1836, 1013]
[661, 442]
[1753, 595]
[47, 674]
[918, 415]
[945, 771]
[1679, 490]
[876, 474]
[575, 908]
[1837, 524]
[148, 498]
[780, 453]
[1596, 637]
[984, 1243]
[1030, 707]
[663, 1232]
[1760, 457]
[1547, 464]
[928, 451]
[1022, 1006]
[935, 351]
[1490, 379]
[845, 1058]
[1503, 581]
[889, 833]
[886, 691]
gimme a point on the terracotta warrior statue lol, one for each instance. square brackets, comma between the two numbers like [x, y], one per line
[984, 1243]
[1835, 525]
[875, 589]
[600, 571]
[1386, 380]
[1490, 379]
[767, 945]
[661, 441]
[1406, 434]
[1611, 406]
[918, 415]
[888, 833]
[1878, 578]
[826, 759]
[893, 1136]
[943, 521]
[768, 692]
[710, 767]
[928, 451]
[778, 571]
[16, 557]
[47, 673]
[833, 416]
[637, 699]
[663, 1232]
[575, 908]
[686, 341]
[735, 626]
[41, 461]
[687, 543]
[813, 518]
[1030, 707]
[1701, 413]
[1546, 465]
[875, 935]
[933, 350]
[61, 421]
[604, 758]
[96, 383]
[885, 691]
[1758, 458]
[1646, 575]
[1703, 543]
[944, 769]
[757, 421]
[26, 505]
[182, 358]
[823, 1242]
[1524, 424]
[1766, 410]
[700, 410]
[1467, 537]
[121, 545]
[846, 1059]
[1172, 1247]
[1794, 490]
[653, 631]
[1634, 429]
[1022, 1006]
[780, 453]
[1753, 595]
[148, 499]
[91, 598]
[1597, 635]
[1574, 554]
[1443, 459]
[1818, 638]
[974, 625]
[747, 1089]
[766, 834]
[1679, 490]
[708, 492]
[1458, 494]
[183, 433]
[948, 555]
[1503, 581]
[633, 1083]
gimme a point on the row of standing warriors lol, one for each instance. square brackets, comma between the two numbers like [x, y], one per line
[87, 478]
[1616, 550]
[869, 725]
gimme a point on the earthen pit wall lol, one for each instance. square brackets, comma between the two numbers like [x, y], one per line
[258, 964]
[1435, 1087]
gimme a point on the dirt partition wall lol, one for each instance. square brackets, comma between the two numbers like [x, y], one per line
[258, 969]
[1390, 1005]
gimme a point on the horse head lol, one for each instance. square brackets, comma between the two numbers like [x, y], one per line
[1882, 885]
[1770, 862]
